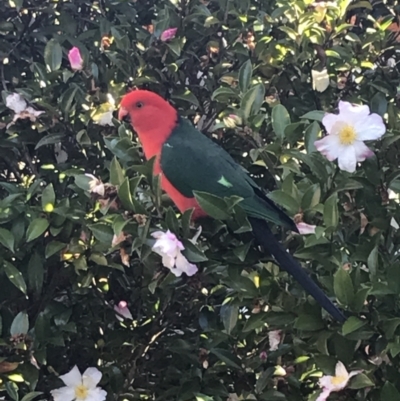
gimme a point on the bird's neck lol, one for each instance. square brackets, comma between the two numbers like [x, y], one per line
[153, 139]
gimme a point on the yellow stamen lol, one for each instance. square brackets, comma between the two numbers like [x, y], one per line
[81, 392]
[336, 380]
[347, 135]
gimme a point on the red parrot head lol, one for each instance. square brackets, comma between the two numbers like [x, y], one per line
[149, 113]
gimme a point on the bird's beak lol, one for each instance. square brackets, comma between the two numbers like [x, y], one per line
[122, 113]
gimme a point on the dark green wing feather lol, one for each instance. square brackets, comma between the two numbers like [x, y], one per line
[193, 162]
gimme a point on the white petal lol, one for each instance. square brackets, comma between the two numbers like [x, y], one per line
[347, 109]
[157, 234]
[305, 228]
[370, 128]
[168, 261]
[362, 151]
[16, 102]
[91, 377]
[63, 394]
[325, 382]
[324, 395]
[96, 394]
[329, 146]
[340, 370]
[354, 373]
[329, 120]
[347, 159]
[72, 378]
[320, 80]
[184, 266]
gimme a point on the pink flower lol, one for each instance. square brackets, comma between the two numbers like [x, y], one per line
[347, 132]
[274, 338]
[75, 59]
[263, 356]
[169, 248]
[168, 34]
[123, 310]
[335, 383]
[305, 228]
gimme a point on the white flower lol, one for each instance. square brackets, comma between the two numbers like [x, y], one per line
[320, 80]
[18, 105]
[346, 133]
[274, 339]
[123, 310]
[80, 387]
[105, 119]
[305, 228]
[95, 185]
[169, 248]
[338, 382]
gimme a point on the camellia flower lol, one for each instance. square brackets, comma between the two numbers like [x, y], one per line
[75, 59]
[169, 248]
[18, 105]
[305, 228]
[123, 310]
[338, 382]
[168, 34]
[274, 339]
[263, 356]
[95, 185]
[346, 133]
[80, 387]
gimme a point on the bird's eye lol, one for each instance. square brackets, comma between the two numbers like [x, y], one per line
[139, 105]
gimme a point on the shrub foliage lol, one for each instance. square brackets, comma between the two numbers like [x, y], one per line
[197, 337]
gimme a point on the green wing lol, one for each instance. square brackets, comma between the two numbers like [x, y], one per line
[193, 162]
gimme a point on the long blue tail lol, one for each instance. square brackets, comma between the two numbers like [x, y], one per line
[266, 239]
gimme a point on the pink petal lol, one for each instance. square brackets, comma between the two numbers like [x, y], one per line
[347, 159]
[362, 151]
[168, 34]
[370, 128]
[329, 146]
[347, 109]
[324, 395]
[75, 59]
[305, 228]
[329, 120]
[185, 266]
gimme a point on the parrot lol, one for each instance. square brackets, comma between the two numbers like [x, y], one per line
[189, 161]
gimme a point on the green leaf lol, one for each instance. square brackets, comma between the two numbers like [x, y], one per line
[379, 104]
[245, 73]
[15, 276]
[32, 395]
[53, 247]
[316, 115]
[285, 200]
[50, 140]
[352, 324]
[35, 273]
[187, 96]
[213, 205]
[102, 232]
[311, 197]
[389, 392]
[227, 357]
[310, 136]
[309, 323]
[20, 324]
[343, 287]
[331, 212]
[172, 221]
[116, 173]
[48, 198]
[280, 120]
[125, 196]
[53, 55]
[252, 101]
[12, 390]
[361, 381]
[229, 316]
[36, 228]
[7, 239]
